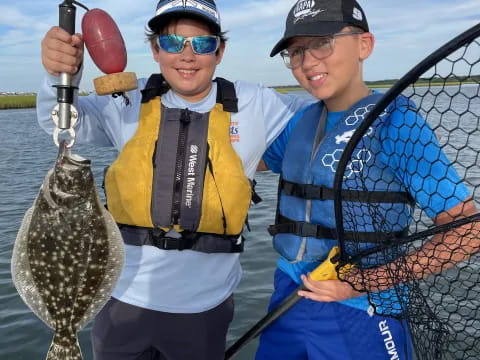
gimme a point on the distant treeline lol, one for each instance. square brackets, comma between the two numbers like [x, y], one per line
[474, 79]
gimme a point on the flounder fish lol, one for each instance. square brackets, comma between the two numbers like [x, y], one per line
[68, 253]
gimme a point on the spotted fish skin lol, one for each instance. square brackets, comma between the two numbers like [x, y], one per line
[68, 254]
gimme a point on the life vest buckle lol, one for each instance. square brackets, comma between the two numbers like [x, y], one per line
[272, 230]
[306, 229]
[168, 243]
[304, 191]
[159, 240]
[313, 192]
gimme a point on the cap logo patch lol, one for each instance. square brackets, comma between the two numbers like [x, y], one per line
[188, 3]
[357, 14]
[303, 9]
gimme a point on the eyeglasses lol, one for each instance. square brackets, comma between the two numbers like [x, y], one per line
[201, 45]
[319, 47]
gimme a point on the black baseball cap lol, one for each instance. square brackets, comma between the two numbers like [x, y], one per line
[320, 18]
[205, 10]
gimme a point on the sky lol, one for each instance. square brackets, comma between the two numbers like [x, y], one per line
[406, 31]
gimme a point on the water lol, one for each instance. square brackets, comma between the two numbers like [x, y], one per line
[26, 154]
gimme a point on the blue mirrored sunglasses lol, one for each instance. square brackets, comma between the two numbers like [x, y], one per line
[201, 45]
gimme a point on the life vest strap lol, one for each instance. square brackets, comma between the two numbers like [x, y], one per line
[205, 242]
[226, 95]
[318, 192]
[255, 197]
[304, 229]
[155, 86]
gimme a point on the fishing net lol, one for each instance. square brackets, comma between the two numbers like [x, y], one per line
[412, 175]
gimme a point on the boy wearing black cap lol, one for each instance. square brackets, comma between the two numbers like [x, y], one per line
[324, 44]
[313, 30]
[179, 188]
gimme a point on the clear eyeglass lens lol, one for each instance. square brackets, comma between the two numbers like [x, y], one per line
[286, 58]
[320, 48]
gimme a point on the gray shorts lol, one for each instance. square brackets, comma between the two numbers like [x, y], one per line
[126, 332]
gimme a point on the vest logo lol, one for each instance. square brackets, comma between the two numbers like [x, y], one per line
[357, 14]
[345, 137]
[192, 161]
[303, 9]
[234, 132]
[388, 340]
[191, 173]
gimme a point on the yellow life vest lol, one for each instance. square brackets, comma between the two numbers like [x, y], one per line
[179, 171]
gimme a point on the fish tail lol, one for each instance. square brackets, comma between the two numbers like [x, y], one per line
[63, 348]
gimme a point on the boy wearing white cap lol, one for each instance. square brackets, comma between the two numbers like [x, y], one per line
[180, 188]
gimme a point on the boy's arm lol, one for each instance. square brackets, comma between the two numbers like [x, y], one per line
[100, 120]
[262, 166]
[449, 200]
[444, 199]
[278, 109]
[269, 112]
[96, 114]
[443, 251]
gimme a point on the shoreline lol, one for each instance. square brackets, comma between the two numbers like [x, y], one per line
[381, 85]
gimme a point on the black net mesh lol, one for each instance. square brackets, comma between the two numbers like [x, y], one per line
[425, 149]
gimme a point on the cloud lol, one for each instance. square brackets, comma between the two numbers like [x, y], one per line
[255, 12]
[407, 33]
[12, 17]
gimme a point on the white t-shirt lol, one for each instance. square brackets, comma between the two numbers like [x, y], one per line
[170, 280]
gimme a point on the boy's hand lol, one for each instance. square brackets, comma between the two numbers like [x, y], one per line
[327, 290]
[62, 52]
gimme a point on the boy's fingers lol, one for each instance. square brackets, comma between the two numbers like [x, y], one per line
[59, 40]
[61, 46]
[58, 33]
[56, 63]
[62, 52]
[77, 40]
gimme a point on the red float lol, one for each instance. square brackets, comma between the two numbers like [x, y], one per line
[104, 41]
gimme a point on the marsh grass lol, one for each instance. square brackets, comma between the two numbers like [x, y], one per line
[22, 101]
[17, 101]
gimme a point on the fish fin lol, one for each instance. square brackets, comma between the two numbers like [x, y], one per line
[64, 350]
